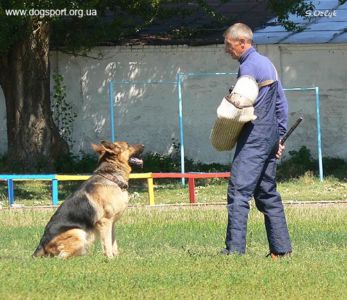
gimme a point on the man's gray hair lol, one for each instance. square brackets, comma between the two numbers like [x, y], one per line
[239, 30]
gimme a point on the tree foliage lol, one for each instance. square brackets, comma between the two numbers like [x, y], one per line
[114, 20]
[284, 8]
[119, 19]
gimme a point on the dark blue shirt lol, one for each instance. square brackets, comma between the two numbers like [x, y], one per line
[260, 68]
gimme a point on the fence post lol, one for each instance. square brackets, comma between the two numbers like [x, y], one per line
[191, 187]
[55, 192]
[319, 136]
[150, 190]
[10, 191]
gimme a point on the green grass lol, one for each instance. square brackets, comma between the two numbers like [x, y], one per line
[305, 188]
[173, 254]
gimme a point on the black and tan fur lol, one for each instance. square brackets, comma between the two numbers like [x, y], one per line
[94, 208]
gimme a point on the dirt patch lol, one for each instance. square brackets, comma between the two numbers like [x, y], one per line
[340, 203]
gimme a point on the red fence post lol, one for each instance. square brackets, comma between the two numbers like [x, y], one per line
[191, 180]
[191, 187]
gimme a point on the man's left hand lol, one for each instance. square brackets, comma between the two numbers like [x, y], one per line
[280, 150]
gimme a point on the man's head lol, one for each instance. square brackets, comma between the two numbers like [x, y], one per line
[237, 39]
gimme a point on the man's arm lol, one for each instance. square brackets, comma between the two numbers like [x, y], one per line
[281, 110]
[282, 117]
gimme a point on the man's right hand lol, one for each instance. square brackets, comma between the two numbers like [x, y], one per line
[280, 151]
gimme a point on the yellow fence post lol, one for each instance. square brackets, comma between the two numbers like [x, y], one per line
[150, 185]
[150, 190]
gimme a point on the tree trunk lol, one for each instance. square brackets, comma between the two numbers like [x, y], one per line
[34, 142]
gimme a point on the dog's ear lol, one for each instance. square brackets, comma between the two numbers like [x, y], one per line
[111, 147]
[98, 148]
[108, 145]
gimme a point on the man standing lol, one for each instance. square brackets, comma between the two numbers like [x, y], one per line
[253, 171]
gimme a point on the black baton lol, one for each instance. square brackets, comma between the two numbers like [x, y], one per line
[290, 131]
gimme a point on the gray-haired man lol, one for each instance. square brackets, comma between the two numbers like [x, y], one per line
[253, 171]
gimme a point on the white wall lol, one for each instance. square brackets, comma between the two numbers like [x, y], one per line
[315, 65]
[149, 113]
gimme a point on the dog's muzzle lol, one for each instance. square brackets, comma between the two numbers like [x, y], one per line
[136, 161]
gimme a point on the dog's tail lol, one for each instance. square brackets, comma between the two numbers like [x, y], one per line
[40, 251]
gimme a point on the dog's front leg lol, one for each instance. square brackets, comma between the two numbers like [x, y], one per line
[105, 231]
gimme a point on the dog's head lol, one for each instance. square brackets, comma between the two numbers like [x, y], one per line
[119, 152]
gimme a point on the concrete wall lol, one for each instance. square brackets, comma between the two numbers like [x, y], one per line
[149, 113]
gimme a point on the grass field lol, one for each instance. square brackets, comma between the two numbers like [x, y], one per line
[173, 254]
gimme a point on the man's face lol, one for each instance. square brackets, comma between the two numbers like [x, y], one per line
[234, 47]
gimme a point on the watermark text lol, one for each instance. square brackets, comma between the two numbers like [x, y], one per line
[52, 13]
[329, 13]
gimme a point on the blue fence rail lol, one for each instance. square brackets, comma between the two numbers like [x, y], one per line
[55, 178]
[10, 178]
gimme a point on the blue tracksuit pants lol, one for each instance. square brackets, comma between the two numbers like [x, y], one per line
[253, 173]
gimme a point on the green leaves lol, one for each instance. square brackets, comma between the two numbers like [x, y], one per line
[284, 8]
[74, 29]
[63, 114]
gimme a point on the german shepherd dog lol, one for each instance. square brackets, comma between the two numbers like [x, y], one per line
[94, 208]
